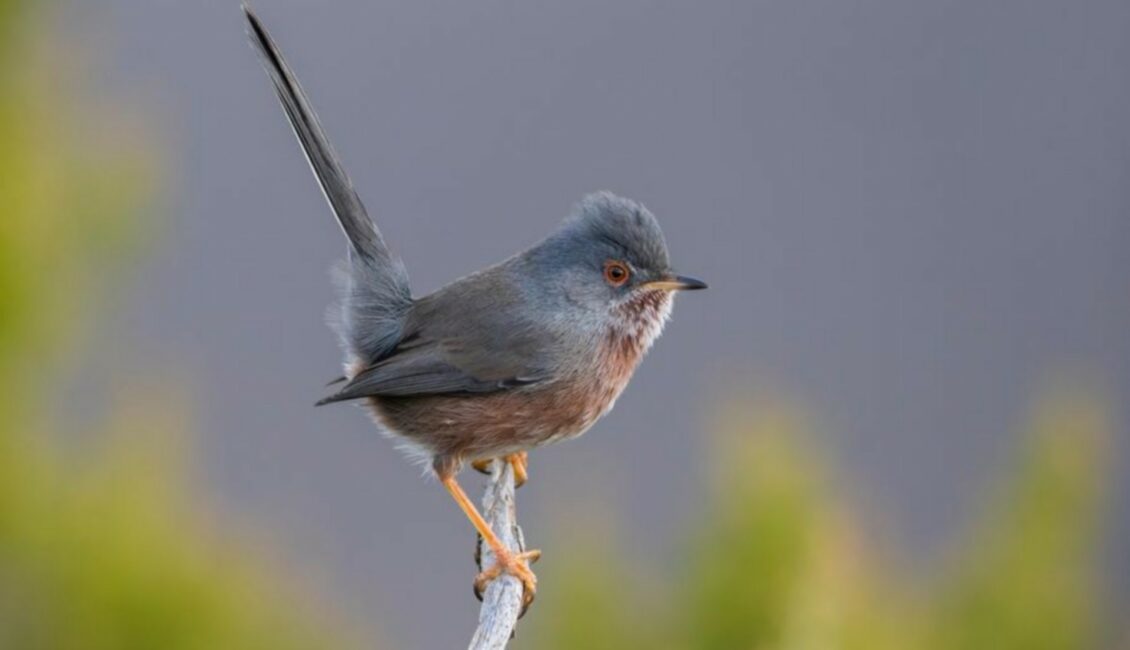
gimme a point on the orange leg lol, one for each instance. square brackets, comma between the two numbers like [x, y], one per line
[505, 561]
[518, 461]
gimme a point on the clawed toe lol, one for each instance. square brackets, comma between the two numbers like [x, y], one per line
[482, 466]
[517, 565]
[518, 462]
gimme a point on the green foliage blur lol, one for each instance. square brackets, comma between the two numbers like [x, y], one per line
[101, 549]
[778, 562]
[105, 550]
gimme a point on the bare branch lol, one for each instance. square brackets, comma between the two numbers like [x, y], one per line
[502, 601]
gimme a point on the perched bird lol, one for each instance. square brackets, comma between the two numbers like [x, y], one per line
[530, 351]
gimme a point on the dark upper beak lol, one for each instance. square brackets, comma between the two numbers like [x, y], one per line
[677, 283]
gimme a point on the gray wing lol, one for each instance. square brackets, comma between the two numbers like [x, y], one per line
[436, 369]
[470, 337]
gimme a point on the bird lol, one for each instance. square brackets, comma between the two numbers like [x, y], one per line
[530, 351]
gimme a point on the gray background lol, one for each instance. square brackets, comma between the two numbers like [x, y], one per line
[914, 216]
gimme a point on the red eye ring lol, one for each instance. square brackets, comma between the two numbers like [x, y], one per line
[616, 273]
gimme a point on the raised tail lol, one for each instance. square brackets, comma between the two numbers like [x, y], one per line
[364, 238]
[375, 292]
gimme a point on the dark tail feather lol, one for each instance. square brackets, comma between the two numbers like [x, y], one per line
[332, 399]
[375, 295]
[364, 238]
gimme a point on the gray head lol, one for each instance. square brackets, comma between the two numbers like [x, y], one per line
[608, 254]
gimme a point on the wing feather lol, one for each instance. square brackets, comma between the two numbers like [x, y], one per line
[470, 337]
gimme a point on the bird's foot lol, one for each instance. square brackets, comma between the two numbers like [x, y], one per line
[519, 462]
[515, 564]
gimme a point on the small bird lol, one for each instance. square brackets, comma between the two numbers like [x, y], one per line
[530, 351]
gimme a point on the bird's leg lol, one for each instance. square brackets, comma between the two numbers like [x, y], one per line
[505, 560]
[518, 461]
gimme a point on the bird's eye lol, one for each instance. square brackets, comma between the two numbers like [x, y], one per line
[616, 273]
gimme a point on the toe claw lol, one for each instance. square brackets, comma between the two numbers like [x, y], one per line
[519, 463]
[527, 600]
[517, 565]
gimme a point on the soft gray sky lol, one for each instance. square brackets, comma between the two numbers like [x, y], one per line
[913, 215]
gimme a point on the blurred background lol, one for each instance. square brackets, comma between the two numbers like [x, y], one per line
[897, 419]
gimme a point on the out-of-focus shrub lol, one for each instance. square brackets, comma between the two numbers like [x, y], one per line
[1026, 579]
[99, 547]
[778, 561]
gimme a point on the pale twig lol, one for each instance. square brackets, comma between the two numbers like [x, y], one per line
[502, 599]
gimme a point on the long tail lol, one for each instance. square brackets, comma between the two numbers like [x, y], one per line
[364, 238]
[375, 292]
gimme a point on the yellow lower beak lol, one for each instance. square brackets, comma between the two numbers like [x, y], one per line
[676, 283]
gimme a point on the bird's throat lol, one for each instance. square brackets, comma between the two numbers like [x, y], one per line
[640, 321]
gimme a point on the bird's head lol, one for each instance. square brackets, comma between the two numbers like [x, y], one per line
[609, 259]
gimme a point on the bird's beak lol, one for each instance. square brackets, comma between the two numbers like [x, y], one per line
[676, 283]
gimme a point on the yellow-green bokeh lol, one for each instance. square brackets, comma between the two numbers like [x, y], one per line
[778, 561]
[104, 550]
[99, 549]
